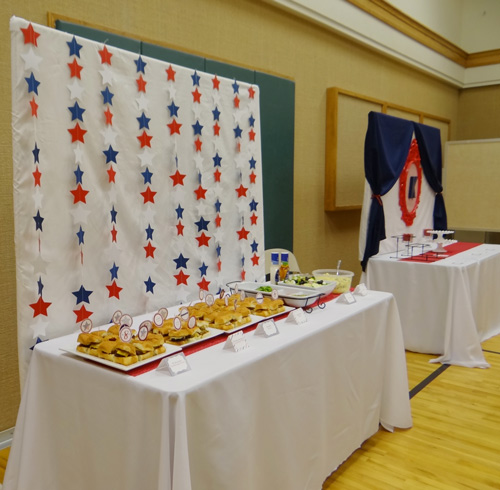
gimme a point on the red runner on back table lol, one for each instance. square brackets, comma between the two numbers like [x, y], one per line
[431, 256]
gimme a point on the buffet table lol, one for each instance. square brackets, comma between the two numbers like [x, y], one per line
[283, 413]
[447, 307]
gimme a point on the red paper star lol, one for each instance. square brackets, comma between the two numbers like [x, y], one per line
[77, 133]
[34, 107]
[253, 176]
[111, 174]
[242, 234]
[251, 134]
[79, 194]
[148, 195]
[37, 175]
[203, 284]
[75, 69]
[200, 193]
[196, 96]
[150, 250]
[217, 175]
[109, 117]
[253, 219]
[177, 178]
[114, 290]
[174, 127]
[170, 73]
[180, 229]
[216, 129]
[141, 84]
[181, 278]
[40, 307]
[203, 240]
[243, 274]
[82, 314]
[30, 36]
[114, 232]
[215, 82]
[145, 139]
[241, 191]
[198, 144]
[219, 265]
[238, 147]
[218, 220]
[236, 102]
[255, 259]
[105, 56]
[251, 92]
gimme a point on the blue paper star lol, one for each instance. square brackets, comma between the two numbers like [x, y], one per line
[254, 246]
[251, 120]
[107, 96]
[113, 213]
[38, 221]
[217, 206]
[203, 269]
[252, 162]
[243, 261]
[173, 109]
[181, 261]
[179, 211]
[80, 234]
[141, 65]
[38, 341]
[74, 47]
[76, 112]
[143, 121]
[236, 88]
[114, 271]
[197, 127]
[216, 114]
[253, 205]
[40, 286]
[237, 131]
[149, 285]
[110, 154]
[36, 154]
[79, 175]
[196, 78]
[32, 83]
[202, 224]
[147, 176]
[82, 295]
[217, 159]
[218, 250]
[149, 232]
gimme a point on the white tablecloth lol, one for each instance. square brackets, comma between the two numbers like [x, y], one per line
[447, 307]
[283, 413]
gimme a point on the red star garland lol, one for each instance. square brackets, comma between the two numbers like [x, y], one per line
[82, 314]
[200, 193]
[75, 69]
[177, 178]
[145, 139]
[219, 265]
[217, 175]
[170, 74]
[114, 290]
[196, 96]
[175, 127]
[181, 278]
[30, 36]
[148, 195]
[215, 83]
[114, 232]
[241, 191]
[109, 117]
[252, 178]
[40, 307]
[180, 228]
[251, 135]
[243, 274]
[111, 175]
[105, 56]
[198, 144]
[150, 250]
[77, 133]
[255, 259]
[242, 234]
[37, 175]
[79, 194]
[34, 107]
[204, 284]
[251, 92]
[218, 220]
[236, 102]
[216, 129]
[141, 84]
[203, 240]
[253, 219]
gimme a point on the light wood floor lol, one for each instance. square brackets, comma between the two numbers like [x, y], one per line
[454, 443]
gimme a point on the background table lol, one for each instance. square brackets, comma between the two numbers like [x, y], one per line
[447, 307]
[283, 413]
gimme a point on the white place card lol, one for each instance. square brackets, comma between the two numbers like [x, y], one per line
[236, 342]
[175, 364]
[297, 316]
[268, 328]
[347, 298]
[361, 289]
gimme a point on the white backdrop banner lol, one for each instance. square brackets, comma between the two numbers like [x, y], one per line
[137, 183]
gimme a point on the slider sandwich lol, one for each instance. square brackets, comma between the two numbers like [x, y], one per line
[144, 349]
[125, 353]
[106, 349]
[157, 340]
[88, 343]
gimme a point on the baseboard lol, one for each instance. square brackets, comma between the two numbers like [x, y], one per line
[6, 439]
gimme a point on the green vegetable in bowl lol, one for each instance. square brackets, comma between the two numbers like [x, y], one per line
[267, 289]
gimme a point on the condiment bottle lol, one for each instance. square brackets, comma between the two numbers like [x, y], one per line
[275, 267]
[284, 267]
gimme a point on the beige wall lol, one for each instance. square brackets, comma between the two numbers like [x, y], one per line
[252, 34]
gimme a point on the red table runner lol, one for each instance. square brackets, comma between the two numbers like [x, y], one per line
[431, 256]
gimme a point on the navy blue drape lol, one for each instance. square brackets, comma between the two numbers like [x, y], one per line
[387, 143]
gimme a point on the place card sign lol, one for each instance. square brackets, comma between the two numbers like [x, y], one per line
[297, 316]
[347, 298]
[268, 328]
[175, 364]
[361, 289]
[236, 342]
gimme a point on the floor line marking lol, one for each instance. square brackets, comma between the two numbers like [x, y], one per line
[427, 380]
